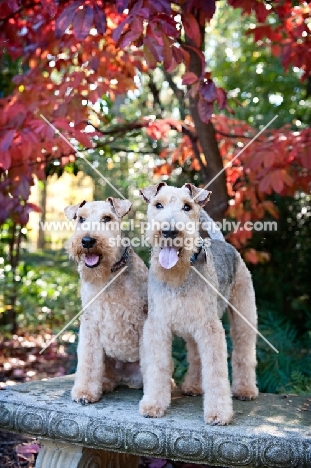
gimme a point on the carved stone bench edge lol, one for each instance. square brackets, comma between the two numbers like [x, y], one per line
[156, 441]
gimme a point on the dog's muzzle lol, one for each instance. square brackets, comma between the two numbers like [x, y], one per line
[91, 259]
[88, 242]
[170, 233]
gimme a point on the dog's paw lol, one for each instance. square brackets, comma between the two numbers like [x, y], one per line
[85, 395]
[219, 414]
[191, 389]
[150, 409]
[217, 419]
[245, 393]
[220, 417]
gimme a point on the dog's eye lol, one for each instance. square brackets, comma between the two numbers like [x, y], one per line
[159, 206]
[106, 219]
[186, 207]
[81, 220]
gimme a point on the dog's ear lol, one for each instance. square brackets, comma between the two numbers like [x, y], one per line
[71, 211]
[199, 195]
[149, 192]
[121, 207]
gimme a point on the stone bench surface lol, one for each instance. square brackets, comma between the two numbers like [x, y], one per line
[269, 432]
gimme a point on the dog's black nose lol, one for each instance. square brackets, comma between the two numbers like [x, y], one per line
[88, 242]
[169, 233]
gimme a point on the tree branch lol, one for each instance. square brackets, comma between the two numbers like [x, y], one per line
[155, 93]
[216, 177]
[119, 129]
[179, 94]
[233, 135]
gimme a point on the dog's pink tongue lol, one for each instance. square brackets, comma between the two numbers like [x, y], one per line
[91, 259]
[168, 257]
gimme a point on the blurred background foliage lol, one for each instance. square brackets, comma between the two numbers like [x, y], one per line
[45, 286]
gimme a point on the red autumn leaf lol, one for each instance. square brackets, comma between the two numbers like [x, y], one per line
[26, 147]
[208, 91]
[65, 18]
[271, 208]
[251, 256]
[122, 5]
[261, 12]
[154, 50]
[277, 182]
[221, 98]
[131, 34]
[167, 25]
[176, 124]
[191, 27]
[149, 57]
[82, 22]
[5, 160]
[288, 180]
[50, 6]
[276, 50]
[205, 110]
[163, 169]
[83, 138]
[167, 52]
[23, 188]
[264, 185]
[186, 56]
[116, 34]
[305, 156]
[161, 6]
[100, 19]
[197, 51]
[189, 78]
[32, 207]
[207, 6]
[177, 54]
[7, 140]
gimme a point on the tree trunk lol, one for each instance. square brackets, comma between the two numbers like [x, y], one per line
[207, 138]
[42, 203]
[9, 317]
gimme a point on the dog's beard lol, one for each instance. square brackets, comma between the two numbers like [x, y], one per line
[91, 258]
[95, 263]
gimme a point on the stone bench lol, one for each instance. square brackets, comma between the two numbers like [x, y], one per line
[270, 432]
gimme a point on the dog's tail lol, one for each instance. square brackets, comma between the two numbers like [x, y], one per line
[209, 226]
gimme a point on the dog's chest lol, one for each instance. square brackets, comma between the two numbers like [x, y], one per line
[183, 308]
[202, 293]
[119, 320]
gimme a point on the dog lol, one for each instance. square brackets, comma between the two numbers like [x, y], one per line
[112, 322]
[181, 302]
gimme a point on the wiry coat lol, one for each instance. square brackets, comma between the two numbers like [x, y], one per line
[182, 303]
[111, 327]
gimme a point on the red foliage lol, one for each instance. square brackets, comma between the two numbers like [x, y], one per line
[289, 29]
[279, 161]
[60, 75]
[76, 51]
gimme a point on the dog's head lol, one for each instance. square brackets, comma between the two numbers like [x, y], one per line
[95, 244]
[173, 221]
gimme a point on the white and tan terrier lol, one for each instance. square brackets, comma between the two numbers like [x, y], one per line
[182, 303]
[111, 326]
